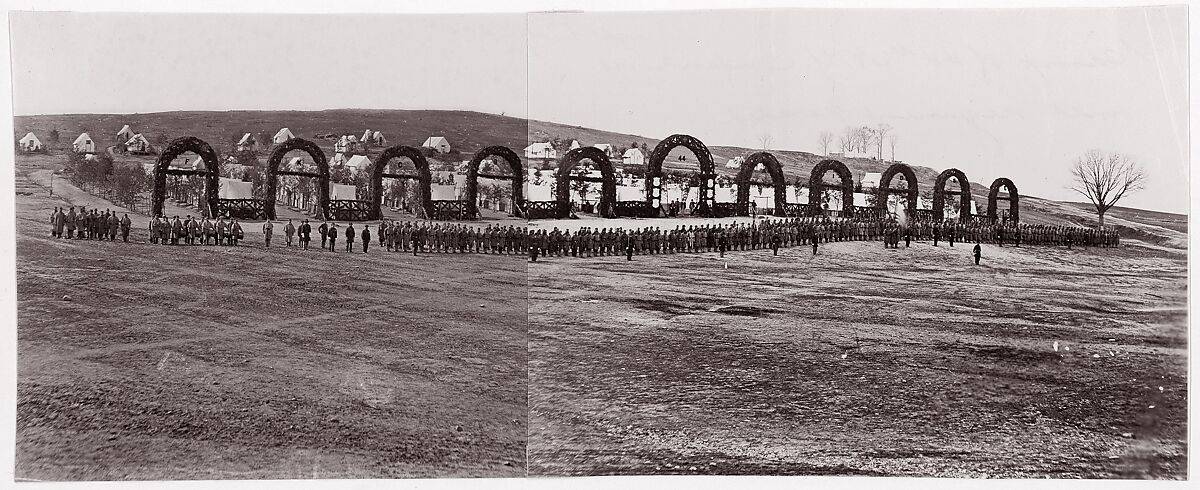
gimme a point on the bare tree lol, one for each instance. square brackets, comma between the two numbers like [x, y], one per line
[866, 137]
[892, 142]
[881, 133]
[765, 139]
[824, 140]
[849, 140]
[1106, 178]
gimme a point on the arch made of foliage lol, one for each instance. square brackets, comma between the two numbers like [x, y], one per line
[708, 173]
[885, 187]
[322, 174]
[816, 184]
[518, 178]
[1013, 200]
[769, 162]
[939, 194]
[424, 177]
[562, 186]
[212, 171]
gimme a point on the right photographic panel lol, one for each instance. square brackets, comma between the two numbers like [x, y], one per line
[934, 243]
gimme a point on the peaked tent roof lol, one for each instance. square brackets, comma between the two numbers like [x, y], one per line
[83, 139]
[137, 138]
[435, 141]
[284, 134]
[246, 139]
[337, 159]
[126, 130]
[31, 138]
[574, 144]
[359, 162]
[366, 135]
[631, 152]
[378, 136]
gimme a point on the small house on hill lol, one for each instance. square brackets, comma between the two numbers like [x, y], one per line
[29, 143]
[247, 143]
[377, 139]
[138, 145]
[84, 144]
[342, 145]
[282, 136]
[125, 133]
[541, 150]
[438, 143]
[633, 156]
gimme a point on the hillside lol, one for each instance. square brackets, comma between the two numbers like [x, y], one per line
[470, 131]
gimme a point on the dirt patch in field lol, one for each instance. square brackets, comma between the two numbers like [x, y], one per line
[857, 362]
[253, 362]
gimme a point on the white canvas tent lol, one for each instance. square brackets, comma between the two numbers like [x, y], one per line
[296, 163]
[247, 143]
[337, 159]
[735, 162]
[366, 137]
[30, 142]
[235, 189]
[377, 139]
[574, 144]
[870, 180]
[138, 144]
[541, 150]
[438, 143]
[282, 136]
[358, 163]
[633, 156]
[125, 133]
[84, 144]
[342, 192]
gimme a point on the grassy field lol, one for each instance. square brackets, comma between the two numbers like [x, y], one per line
[1041, 362]
[150, 362]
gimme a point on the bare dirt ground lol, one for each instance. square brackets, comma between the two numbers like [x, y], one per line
[861, 361]
[138, 361]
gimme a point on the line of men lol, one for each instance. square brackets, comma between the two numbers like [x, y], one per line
[787, 232]
[91, 225]
[411, 236]
[194, 231]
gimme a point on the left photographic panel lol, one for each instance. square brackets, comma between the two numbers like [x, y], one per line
[269, 246]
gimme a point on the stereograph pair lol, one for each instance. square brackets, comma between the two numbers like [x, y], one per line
[732, 242]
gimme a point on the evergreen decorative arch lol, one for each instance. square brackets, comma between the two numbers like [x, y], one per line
[1013, 200]
[816, 184]
[885, 187]
[322, 173]
[768, 161]
[423, 177]
[211, 172]
[518, 178]
[608, 185]
[940, 192]
[654, 173]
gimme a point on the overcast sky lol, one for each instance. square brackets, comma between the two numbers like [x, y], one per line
[995, 93]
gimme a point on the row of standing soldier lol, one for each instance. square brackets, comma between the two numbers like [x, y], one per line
[90, 225]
